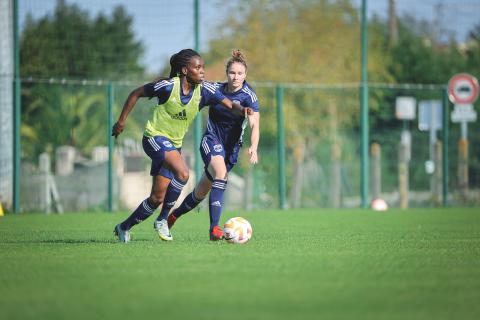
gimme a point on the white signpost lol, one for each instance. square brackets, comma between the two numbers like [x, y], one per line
[463, 113]
[405, 108]
[463, 92]
[430, 115]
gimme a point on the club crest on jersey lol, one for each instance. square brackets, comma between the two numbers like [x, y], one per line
[167, 144]
[217, 148]
[182, 115]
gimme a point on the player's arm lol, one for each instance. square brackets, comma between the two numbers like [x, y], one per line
[254, 121]
[127, 107]
[236, 107]
[211, 96]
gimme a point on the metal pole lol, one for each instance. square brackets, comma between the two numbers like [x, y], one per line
[197, 134]
[445, 147]
[17, 111]
[281, 148]
[110, 99]
[464, 130]
[364, 110]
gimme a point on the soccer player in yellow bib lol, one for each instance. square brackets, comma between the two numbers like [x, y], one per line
[180, 97]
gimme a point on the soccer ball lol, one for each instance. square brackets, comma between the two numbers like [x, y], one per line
[237, 230]
[379, 205]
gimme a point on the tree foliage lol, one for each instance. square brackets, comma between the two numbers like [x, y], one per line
[473, 51]
[302, 41]
[294, 42]
[70, 44]
[316, 45]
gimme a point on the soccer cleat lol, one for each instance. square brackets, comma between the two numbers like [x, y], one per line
[162, 229]
[171, 221]
[216, 233]
[121, 235]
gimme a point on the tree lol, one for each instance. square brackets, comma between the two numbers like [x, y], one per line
[69, 44]
[473, 51]
[304, 42]
[420, 57]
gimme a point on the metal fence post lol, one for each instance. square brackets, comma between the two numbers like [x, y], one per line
[445, 116]
[364, 111]
[110, 99]
[197, 134]
[281, 148]
[17, 111]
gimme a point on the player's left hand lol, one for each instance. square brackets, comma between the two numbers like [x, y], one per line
[253, 155]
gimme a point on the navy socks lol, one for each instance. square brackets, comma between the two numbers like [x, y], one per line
[173, 192]
[189, 203]
[144, 210]
[216, 201]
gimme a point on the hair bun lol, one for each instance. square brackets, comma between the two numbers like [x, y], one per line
[237, 54]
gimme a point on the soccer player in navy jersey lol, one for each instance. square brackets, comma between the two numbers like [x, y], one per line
[221, 144]
[180, 97]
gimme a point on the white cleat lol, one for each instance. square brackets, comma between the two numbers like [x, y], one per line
[162, 229]
[122, 235]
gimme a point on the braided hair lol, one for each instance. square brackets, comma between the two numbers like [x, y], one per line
[237, 56]
[179, 60]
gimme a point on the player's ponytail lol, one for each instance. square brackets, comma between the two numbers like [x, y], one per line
[237, 56]
[179, 60]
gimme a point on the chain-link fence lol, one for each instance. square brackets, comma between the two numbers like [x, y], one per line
[66, 73]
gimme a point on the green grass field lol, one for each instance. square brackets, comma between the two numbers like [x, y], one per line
[300, 264]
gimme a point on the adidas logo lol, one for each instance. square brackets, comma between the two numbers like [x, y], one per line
[180, 116]
[217, 204]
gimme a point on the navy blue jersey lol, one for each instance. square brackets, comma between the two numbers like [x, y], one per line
[226, 126]
[162, 89]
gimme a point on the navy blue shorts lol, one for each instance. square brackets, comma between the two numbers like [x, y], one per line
[155, 148]
[210, 147]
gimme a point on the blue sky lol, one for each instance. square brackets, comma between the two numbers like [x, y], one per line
[166, 26]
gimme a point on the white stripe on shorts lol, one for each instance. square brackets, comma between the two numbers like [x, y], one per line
[154, 144]
[205, 146]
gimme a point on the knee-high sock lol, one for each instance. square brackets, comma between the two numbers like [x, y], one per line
[187, 205]
[143, 211]
[216, 201]
[173, 192]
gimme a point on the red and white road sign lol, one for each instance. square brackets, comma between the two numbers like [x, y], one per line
[463, 89]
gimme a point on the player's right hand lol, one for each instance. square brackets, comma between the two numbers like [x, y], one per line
[117, 129]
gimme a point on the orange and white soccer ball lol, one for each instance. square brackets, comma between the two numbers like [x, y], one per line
[237, 230]
[379, 205]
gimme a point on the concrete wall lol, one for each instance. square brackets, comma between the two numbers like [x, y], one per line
[82, 185]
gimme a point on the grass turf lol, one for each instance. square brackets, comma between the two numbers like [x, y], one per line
[300, 264]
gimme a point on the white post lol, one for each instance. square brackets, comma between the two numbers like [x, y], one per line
[464, 129]
[6, 102]
[44, 165]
